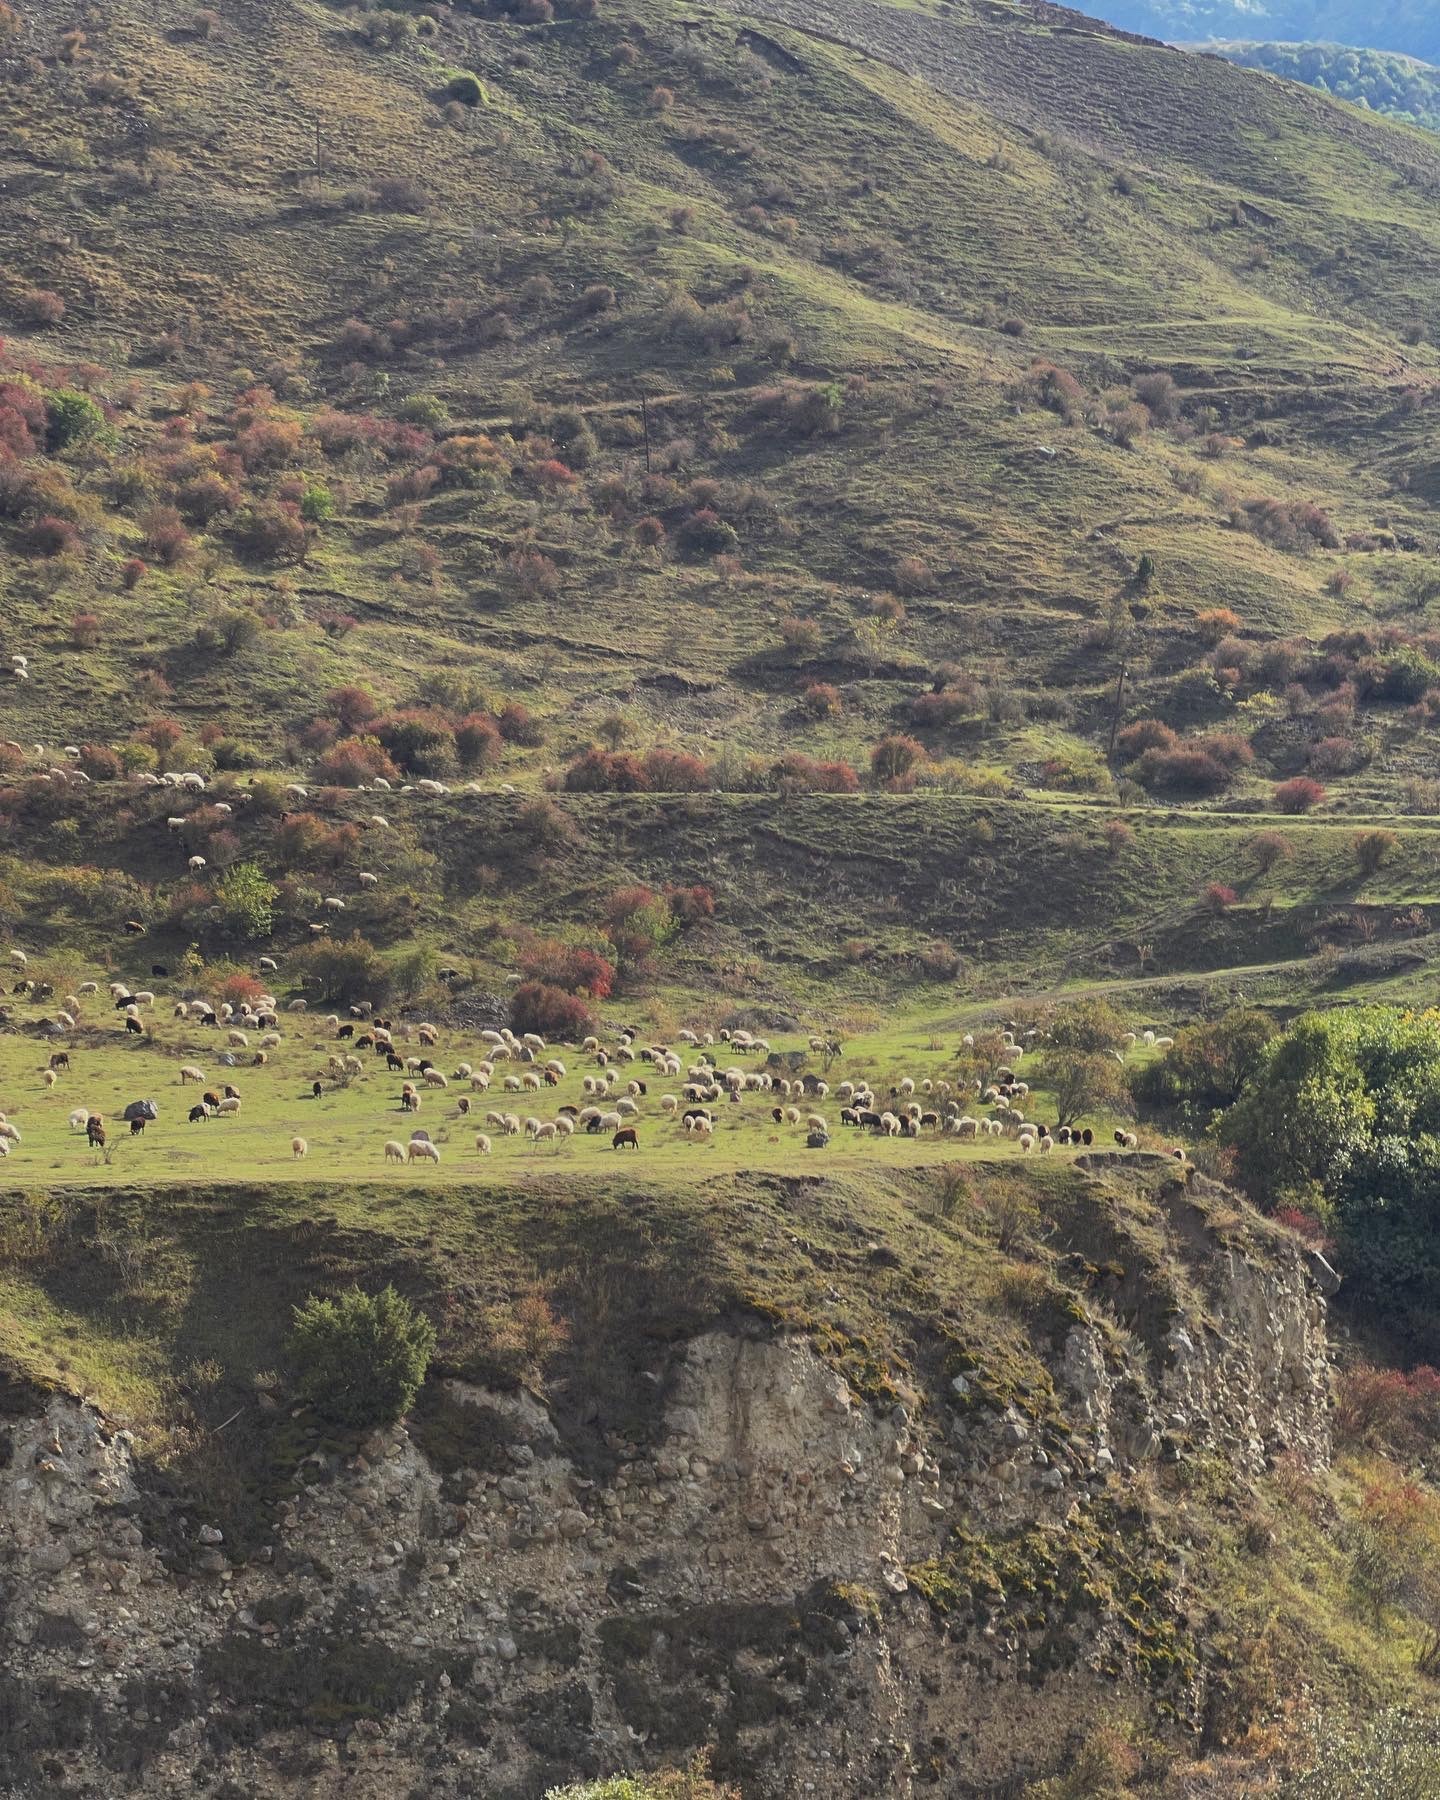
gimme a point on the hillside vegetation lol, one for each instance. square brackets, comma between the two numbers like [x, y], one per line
[904, 531]
[1380, 80]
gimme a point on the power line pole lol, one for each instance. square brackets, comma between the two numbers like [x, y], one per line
[1115, 716]
[645, 417]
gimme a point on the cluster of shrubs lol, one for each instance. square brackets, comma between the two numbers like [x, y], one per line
[354, 739]
[1159, 759]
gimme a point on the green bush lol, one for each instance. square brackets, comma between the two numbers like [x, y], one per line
[71, 418]
[468, 89]
[360, 1358]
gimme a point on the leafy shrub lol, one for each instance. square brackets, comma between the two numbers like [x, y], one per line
[360, 1358]
[1216, 623]
[675, 772]
[246, 903]
[39, 306]
[132, 572]
[532, 575]
[478, 742]
[691, 905]
[705, 533]
[1292, 525]
[355, 762]
[1208, 1064]
[1297, 795]
[345, 969]
[895, 758]
[913, 575]
[1118, 836]
[597, 771]
[49, 536]
[519, 726]
[71, 418]
[1388, 1409]
[801, 637]
[1269, 848]
[797, 774]
[1143, 735]
[819, 700]
[165, 537]
[1215, 897]
[549, 1011]
[468, 89]
[1372, 848]
[1183, 770]
[569, 967]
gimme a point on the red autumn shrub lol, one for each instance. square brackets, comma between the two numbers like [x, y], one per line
[1298, 795]
[819, 700]
[1218, 898]
[85, 630]
[895, 757]
[161, 734]
[1143, 735]
[535, 1006]
[165, 537]
[478, 743]
[132, 573]
[691, 904]
[1228, 749]
[352, 705]
[797, 774]
[49, 536]
[1389, 1409]
[519, 726]
[569, 967]
[598, 771]
[675, 772]
[355, 761]
[100, 762]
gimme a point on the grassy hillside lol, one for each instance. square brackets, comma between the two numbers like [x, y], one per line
[857, 521]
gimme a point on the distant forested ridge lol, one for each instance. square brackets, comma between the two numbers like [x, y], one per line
[1411, 27]
[1380, 79]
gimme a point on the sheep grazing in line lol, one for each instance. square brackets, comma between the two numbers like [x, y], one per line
[422, 1150]
[298, 1147]
[394, 1152]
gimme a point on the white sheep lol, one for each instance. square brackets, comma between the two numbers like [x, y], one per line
[367, 880]
[422, 1150]
[236, 1039]
[394, 1152]
[482, 1143]
[196, 864]
[435, 1079]
[230, 1104]
[78, 1118]
[192, 1072]
[298, 1147]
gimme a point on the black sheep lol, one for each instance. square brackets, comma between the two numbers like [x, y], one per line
[197, 1113]
[134, 1026]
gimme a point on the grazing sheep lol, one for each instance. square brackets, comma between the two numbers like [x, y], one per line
[135, 1027]
[270, 1041]
[422, 1150]
[564, 1126]
[367, 880]
[189, 1072]
[49, 1078]
[18, 959]
[196, 864]
[198, 1113]
[435, 1078]
[237, 1039]
[699, 1128]
[394, 1152]
[669, 1104]
[626, 1108]
[965, 1126]
[78, 1118]
[482, 1143]
[626, 1135]
[230, 1104]
[1148, 1038]
[298, 1147]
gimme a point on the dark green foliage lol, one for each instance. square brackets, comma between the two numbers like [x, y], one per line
[1343, 1112]
[1378, 79]
[71, 418]
[1208, 1065]
[360, 1358]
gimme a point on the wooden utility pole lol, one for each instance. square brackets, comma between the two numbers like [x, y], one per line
[1115, 716]
[645, 417]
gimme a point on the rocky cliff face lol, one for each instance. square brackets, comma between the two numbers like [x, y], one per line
[842, 1599]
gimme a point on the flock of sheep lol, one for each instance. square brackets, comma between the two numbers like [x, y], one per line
[707, 1077]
